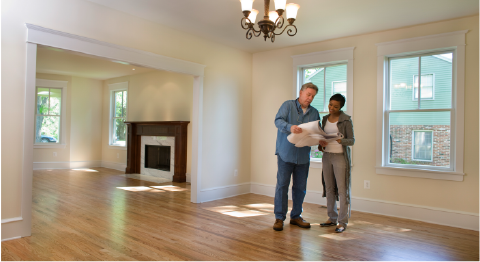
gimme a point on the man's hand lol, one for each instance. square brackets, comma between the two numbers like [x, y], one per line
[295, 129]
[323, 143]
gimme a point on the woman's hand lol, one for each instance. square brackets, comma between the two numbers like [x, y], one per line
[323, 143]
[339, 141]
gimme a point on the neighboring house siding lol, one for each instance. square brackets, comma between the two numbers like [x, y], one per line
[334, 73]
[402, 95]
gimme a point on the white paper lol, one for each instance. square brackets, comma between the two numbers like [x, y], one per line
[311, 135]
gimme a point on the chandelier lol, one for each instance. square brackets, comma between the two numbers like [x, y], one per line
[271, 21]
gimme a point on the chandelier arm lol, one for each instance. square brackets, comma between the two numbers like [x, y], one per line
[249, 33]
[256, 33]
[289, 32]
[280, 20]
[272, 37]
[245, 25]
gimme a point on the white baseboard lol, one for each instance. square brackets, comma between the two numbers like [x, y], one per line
[216, 193]
[114, 165]
[66, 165]
[189, 177]
[12, 229]
[420, 213]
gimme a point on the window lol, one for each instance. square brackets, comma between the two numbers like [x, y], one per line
[330, 80]
[332, 72]
[424, 117]
[118, 114]
[422, 145]
[49, 113]
[426, 88]
[421, 137]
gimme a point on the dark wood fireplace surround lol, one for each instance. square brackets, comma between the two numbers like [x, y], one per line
[137, 129]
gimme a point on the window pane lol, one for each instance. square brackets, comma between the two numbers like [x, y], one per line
[402, 72]
[439, 85]
[118, 104]
[315, 153]
[124, 110]
[119, 132]
[55, 101]
[422, 145]
[42, 101]
[47, 129]
[405, 148]
[317, 79]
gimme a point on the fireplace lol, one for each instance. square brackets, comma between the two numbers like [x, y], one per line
[158, 133]
[157, 157]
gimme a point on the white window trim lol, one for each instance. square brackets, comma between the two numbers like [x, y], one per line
[413, 145]
[122, 86]
[64, 86]
[324, 58]
[433, 88]
[418, 45]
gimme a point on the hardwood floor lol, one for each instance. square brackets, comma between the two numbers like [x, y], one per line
[101, 215]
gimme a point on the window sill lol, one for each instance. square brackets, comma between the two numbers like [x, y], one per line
[421, 173]
[49, 146]
[117, 147]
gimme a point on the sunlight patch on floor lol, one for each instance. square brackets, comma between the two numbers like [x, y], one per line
[362, 228]
[170, 188]
[236, 211]
[337, 236]
[140, 189]
[84, 169]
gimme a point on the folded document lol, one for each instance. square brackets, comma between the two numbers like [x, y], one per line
[311, 135]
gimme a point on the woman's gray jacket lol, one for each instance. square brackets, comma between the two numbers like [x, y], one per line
[345, 126]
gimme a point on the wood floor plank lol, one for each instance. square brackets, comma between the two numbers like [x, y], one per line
[99, 214]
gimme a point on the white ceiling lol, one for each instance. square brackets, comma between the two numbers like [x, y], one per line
[317, 20]
[62, 62]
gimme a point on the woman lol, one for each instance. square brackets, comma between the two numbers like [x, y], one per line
[336, 161]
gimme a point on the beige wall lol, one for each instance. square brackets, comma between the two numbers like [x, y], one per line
[153, 96]
[83, 122]
[227, 83]
[450, 195]
[86, 127]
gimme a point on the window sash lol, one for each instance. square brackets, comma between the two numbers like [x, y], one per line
[114, 117]
[59, 115]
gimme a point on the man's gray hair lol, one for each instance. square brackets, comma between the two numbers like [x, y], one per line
[309, 85]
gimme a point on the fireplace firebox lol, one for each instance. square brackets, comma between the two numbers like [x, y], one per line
[157, 157]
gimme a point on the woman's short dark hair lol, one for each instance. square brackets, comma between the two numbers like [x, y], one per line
[340, 98]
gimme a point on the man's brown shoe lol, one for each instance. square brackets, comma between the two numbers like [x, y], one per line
[300, 222]
[278, 226]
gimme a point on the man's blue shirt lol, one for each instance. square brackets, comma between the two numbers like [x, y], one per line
[289, 114]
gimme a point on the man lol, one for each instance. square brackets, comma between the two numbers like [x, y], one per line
[291, 159]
